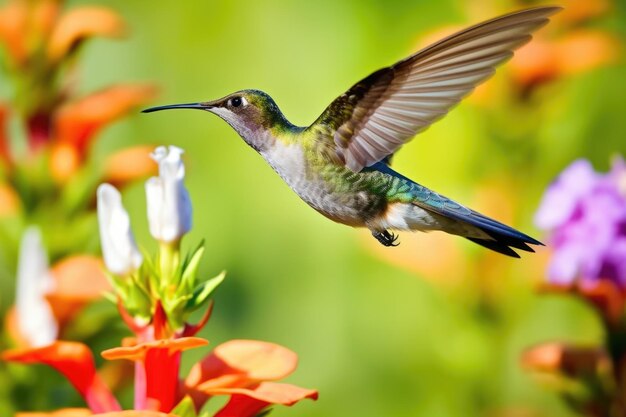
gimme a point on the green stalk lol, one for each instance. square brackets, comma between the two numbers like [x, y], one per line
[169, 259]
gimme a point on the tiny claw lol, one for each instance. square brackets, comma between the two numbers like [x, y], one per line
[386, 238]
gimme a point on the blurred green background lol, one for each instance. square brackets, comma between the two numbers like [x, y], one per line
[377, 335]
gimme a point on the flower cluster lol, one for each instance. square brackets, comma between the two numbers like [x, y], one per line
[585, 213]
[45, 172]
[155, 296]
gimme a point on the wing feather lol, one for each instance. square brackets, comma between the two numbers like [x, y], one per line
[380, 113]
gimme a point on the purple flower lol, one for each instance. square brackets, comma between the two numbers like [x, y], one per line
[585, 213]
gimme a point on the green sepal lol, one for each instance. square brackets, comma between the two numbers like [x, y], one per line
[175, 310]
[264, 413]
[120, 286]
[203, 291]
[150, 271]
[138, 302]
[190, 270]
[185, 408]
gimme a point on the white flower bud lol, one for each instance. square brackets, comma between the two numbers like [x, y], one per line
[119, 250]
[35, 320]
[169, 206]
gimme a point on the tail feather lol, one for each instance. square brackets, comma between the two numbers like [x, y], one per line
[503, 237]
[494, 245]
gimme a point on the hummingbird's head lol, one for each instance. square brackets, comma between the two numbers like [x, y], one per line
[252, 113]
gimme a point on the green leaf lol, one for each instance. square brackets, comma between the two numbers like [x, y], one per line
[185, 408]
[204, 290]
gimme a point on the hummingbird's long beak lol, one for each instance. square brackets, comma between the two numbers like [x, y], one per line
[197, 106]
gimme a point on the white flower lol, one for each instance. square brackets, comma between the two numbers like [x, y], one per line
[119, 250]
[169, 206]
[35, 320]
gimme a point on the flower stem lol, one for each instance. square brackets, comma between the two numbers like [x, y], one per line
[169, 259]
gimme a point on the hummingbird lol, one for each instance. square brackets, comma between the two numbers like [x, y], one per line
[340, 165]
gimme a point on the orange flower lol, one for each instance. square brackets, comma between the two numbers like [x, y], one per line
[605, 295]
[76, 123]
[241, 368]
[75, 361]
[544, 60]
[566, 359]
[80, 23]
[248, 402]
[584, 50]
[129, 164]
[78, 280]
[241, 363]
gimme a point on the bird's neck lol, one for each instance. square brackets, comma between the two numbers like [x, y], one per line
[275, 129]
[278, 125]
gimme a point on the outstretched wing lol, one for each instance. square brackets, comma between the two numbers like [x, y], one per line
[375, 117]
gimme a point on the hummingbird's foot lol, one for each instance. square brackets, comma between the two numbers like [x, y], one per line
[386, 238]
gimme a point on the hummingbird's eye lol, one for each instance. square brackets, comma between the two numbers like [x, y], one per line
[236, 101]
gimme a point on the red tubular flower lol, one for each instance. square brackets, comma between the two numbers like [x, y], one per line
[75, 361]
[161, 363]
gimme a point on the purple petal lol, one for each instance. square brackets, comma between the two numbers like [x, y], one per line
[564, 266]
[560, 200]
